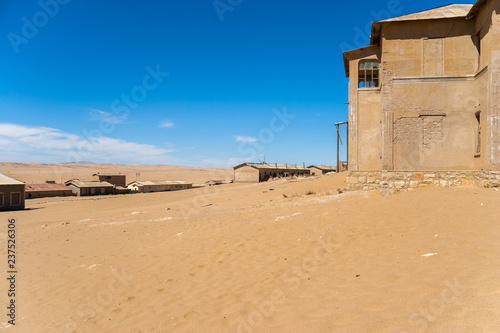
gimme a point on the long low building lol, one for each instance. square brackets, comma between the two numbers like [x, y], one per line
[317, 170]
[88, 188]
[261, 172]
[145, 186]
[47, 190]
[11, 194]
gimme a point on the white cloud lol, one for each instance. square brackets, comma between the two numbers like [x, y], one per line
[167, 124]
[98, 115]
[245, 139]
[20, 143]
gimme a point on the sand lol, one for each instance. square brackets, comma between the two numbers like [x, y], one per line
[38, 173]
[285, 256]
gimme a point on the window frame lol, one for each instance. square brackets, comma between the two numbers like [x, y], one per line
[370, 75]
[12, 201]
[2, 201]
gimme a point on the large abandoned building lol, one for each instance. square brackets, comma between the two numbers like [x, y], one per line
[424, 100]
[260, 172]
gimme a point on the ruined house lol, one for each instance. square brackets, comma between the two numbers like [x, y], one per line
[146, 186]
[424, 100]
[317, 170]
[11, 194]
[260, 172]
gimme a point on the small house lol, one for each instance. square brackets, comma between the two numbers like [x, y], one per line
[260, 172]
[11, 194]
[317, 170]
[88, 188]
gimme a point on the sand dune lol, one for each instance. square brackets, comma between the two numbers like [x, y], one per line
[286, 256]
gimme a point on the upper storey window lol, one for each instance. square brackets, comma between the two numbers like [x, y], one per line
[368, 74]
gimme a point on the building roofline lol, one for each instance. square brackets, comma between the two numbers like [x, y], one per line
[475, 9]
[346, 56]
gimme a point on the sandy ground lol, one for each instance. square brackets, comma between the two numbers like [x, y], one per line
[38, 173]
[273, 257]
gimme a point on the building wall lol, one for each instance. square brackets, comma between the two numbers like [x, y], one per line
[90, 191]
[317, 172]
[6, 192]
[160, 188]
[118, 180]
[487, 27]
[424, 115]
[46, 194]
[428, 80]
[246, 174]
[365, 111]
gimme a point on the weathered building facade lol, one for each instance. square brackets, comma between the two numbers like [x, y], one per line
[146, 186]
[317, 170]
[424, 100]
[115, 179]
[11, 194]
[47, 190]
[259, 172]
[90, 188]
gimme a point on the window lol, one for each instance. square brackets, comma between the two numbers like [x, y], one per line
[368, 74]
[478, 138]
[1, 200]
[15, 199]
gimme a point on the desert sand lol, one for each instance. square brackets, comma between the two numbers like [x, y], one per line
[38, 173]
[283, 256]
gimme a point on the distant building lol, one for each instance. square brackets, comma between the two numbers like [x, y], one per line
[88, 188]
[217, 182]
[11, 194]
[47, 190]
[317, 170]
[145, 186]
[260, 172]
[115, 179]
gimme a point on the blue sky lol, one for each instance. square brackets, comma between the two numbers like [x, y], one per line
[183, 82]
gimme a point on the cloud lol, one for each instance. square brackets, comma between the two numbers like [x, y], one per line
[245, 139]
[98, 115]
[20, 143]
[167, 124]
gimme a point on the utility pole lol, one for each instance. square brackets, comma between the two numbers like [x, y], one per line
[339, 142]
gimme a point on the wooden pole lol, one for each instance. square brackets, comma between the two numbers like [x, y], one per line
[338, 148]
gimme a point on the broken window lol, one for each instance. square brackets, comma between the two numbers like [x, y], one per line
[368, 74]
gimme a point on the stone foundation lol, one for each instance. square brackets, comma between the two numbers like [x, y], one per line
[389, 182]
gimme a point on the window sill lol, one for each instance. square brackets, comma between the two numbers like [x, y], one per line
[369, 89]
